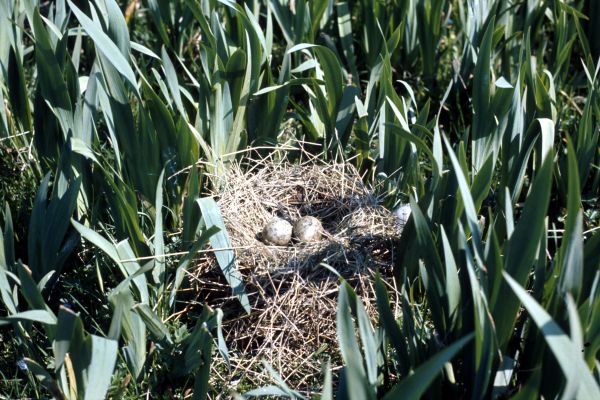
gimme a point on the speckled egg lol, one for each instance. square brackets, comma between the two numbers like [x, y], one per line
[308, 229]
[278, 232]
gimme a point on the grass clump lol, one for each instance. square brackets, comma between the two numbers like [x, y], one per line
[133, 207]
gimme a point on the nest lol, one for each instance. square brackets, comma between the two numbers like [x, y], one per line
[293, 290]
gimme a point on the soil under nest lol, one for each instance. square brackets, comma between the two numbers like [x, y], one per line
[292, 290]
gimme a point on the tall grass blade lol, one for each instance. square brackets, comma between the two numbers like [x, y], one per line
[521, 251]
[223, 250]
[568, 356]
[416, 384]
[106, 46]
[356, 378]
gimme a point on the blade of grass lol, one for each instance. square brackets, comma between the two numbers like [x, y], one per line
[568, 356]
[225, 258]
[416, 384]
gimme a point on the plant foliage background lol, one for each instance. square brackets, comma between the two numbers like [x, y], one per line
[482, 114]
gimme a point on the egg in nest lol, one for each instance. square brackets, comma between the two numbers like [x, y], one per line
[278, 232]
[308, 229]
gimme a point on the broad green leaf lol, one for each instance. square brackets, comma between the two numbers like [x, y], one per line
[431, 275]
[568, 356]
[191, 216]
[482, 128]
[331, 72]
[117, 27]
[390, 325]
[416, 384]
[484, 334]
[270, 390]
[327, 393]
[106, 46]
[153, 322]
[172, 82]
[453, 288]
[356, 379]
[29, 289]
[100, 368]
[64, 333]
[281, 389]
[344, 22]
[547, 136]
[222, 247]
[570, 255]
[41, 316]
[53, 87]
[97, 240]
[131, 326]
[467, 199]
[482, 182]
[131, 268]
[521, 249]
[369, 343]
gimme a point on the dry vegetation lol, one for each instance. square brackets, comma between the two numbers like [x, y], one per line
[293, 289]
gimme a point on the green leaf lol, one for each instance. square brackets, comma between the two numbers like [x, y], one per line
[569, 357]
[521, 249]
[29, 289]
[131, 326]
[270, 390]
[547, 136]
[17, 88]
[331, 72]
[390, 325]
[482, 126]
[346, 114]
[356, 379]
[570, 255]
[153, 322]
[53, 87]
[132, 268]
[41, 316]
[106, 46]
[100, 368]
[344, 22]
[416, 384]
[369, 343]
[172, 82]
[469, 204]
[191, 216]
[482, 182]
[223, 249]
[241, 101]
[45, 378]
[117, 27]
[281, 390]
[327, 393]
[484, 335]
[453, 288]
[97, 240]
[64, 333]
[431, 275]
[186, 260]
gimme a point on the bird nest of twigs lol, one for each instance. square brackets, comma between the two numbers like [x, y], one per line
[293, 289]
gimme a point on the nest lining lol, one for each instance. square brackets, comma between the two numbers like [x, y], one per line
[292, 291]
